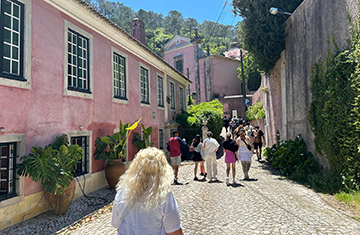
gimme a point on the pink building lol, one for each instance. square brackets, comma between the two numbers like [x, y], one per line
[68, 69]
[212, 76]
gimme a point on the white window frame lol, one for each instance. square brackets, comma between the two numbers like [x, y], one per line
[172, 96]
[163, 139]
[20, 140]
[142, 104]
[120, 100]
[158, 91]
[88, 134]
[68, 25]
[181, 100]
[26, 51]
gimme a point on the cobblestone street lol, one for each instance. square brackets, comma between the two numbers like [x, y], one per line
[270, 205]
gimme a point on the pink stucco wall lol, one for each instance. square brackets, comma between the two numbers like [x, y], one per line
[188, 61]
[224, 76]
[44, 112]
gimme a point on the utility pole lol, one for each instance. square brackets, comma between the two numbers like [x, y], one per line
[243, 82]
[195, 41]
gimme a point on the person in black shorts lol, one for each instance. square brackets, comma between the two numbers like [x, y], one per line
[257, 136]
[226, 122]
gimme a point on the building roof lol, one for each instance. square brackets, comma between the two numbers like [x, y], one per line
[119, 29]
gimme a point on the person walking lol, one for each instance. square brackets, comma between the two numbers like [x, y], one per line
[210, 146]
[174, 146]
[231, 148]
[144, 203]
[198, 154]
[244, 152]
[226, 122]
[257, 137]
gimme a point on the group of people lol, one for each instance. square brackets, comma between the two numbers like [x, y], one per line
[144, 203]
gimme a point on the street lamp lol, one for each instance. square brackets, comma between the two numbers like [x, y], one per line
[274, 11]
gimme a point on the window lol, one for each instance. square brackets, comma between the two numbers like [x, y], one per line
[78, 62]
[172, 95]
[179, 64]
[181, 98]
[8, 170]
[160, 90]
[119, 76]
[82, 166]
[144, 85]
[12, 37]
[161, 139]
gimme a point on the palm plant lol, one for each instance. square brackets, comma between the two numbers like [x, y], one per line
[111, 147]
[53, 166]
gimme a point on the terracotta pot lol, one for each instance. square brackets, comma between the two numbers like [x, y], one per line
[61, 202]
[113, 172]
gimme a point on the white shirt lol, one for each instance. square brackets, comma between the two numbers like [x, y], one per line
[210, 145]
[164, 219]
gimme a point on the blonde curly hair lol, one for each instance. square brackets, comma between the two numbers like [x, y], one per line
[150, 176]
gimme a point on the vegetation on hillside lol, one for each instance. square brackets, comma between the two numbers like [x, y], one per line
[159, 28]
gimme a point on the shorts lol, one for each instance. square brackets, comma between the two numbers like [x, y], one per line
[256, 145]
[175, 161]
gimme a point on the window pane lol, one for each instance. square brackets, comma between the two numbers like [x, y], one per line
[6, 65]
[15, 53]
[15, 69]
[7, 21]
[16, 25]
[16, 11]
[7, 36]
[15, 39]
[7, 7]
[6, 50]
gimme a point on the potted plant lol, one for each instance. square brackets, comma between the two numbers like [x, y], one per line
[112, 149]
[143, 142]
[53, 167]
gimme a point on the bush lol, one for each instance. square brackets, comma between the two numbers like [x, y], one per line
[255, 112]
[211, 111]
[291, 156]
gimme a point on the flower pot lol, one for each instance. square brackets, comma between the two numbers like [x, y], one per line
[113, 172]
[61, 202]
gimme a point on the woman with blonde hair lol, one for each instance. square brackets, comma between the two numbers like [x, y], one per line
[244, 152]
[143, 203]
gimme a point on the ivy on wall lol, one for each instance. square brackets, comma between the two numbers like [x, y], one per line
[335, 111]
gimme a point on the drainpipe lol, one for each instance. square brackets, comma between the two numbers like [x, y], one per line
[266, 113]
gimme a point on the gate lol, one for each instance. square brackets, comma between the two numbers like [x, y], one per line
[189, 134]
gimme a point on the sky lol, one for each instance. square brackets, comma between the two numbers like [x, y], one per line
[212, 10]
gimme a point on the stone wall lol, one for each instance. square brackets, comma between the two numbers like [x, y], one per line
[310, 32]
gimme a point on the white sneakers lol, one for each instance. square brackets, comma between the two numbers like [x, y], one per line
[227, 181]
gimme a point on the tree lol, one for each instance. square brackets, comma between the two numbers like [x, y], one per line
[173, 22]
[264, 34]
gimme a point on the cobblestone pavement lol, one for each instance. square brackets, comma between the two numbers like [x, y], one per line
[270, 205]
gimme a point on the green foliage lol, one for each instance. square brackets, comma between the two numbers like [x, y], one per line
[53, 166]
[291, 156]
[263, 33]
[108, 148]
[182, 119]
[255, 111]
[211, 111]
[190, 100]
[251, 72]
[143, 142]
[335, 111]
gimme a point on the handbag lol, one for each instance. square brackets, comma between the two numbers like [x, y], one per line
[247, 146]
